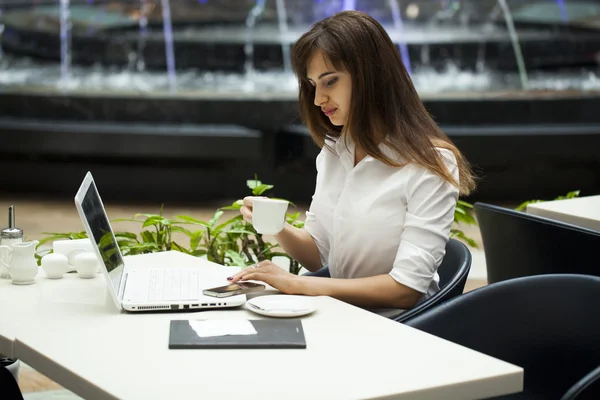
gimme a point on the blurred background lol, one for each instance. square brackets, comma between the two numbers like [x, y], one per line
[183, 100]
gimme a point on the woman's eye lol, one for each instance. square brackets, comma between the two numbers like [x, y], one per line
[332, 82]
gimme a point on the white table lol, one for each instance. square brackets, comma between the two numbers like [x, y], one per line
[76, 337]
[580, 211]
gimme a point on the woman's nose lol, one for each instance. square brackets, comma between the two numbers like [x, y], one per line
[320, 98]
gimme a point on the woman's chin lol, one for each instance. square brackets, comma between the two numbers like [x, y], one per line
[335, 122]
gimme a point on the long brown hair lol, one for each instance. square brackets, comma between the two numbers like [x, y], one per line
[385, 107]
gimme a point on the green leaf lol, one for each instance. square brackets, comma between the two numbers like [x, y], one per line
[259, 190]
[464, 217]
[287, 201]
[236, 258]
[195, 239]
[523, 205]
[253, 183]
[228, 222]
[148, 237]
[181, 229]
[235, 206]
[127, 235]
[462, 203]
[189, 220]
[244, 231]
[155, 220]
[215, 218]
[293, 217]
[198, 253]
[145, 215]
[145, 247]
[461, 235]
[175, 246]
[572, 194]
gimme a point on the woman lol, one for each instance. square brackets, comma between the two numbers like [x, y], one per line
[388, 179]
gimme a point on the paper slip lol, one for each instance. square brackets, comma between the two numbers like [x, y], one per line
[222, 327]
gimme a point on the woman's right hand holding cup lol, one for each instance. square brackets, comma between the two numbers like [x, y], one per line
[267, 216]
[246, 209]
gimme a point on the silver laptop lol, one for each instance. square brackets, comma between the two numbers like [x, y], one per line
[144, 289]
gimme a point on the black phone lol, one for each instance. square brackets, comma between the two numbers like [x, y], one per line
[233, 289]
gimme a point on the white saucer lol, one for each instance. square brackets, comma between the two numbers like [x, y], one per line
[281, 305]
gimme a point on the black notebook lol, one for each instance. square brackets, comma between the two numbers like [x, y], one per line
[270, 334]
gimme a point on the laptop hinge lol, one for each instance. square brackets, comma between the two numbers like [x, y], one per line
[124, 286]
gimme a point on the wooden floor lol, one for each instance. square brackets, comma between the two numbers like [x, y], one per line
[38, 216]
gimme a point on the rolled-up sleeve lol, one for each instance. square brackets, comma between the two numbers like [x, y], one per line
[431, 202]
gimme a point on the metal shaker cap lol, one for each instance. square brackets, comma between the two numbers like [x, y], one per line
[11, 232]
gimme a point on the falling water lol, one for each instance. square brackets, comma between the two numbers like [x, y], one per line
[143, 24]
[396, 15]
[283, 30]
[169, 49]
[1, 30]
[563, 10]
[515, 43]
[349, 5]
[255, 12]
[65, 41]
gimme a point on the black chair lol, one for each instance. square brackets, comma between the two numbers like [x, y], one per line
[587, 388]
[518, 244]
[547, 324]
[321, 273]
[9, 389]
[453, 272]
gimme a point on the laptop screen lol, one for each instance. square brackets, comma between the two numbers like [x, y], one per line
[103, 236]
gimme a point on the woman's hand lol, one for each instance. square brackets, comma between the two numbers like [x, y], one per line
[246, 209]
[269, 273]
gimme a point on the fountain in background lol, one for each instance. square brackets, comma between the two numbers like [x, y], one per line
[65, 42]
[399, 25]
[437, 69]
[515, 43]
[169, 47]
[284, 31]
[485, 69]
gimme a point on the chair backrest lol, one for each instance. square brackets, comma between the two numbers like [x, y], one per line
[453, 272]
[587, 388]
[518, 244]
[547, 324]
[9, 389]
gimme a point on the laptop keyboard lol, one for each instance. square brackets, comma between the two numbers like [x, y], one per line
[173, 284]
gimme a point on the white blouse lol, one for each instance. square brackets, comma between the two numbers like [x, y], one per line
[372, 219]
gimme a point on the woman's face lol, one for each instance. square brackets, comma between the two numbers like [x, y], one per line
[333, 89]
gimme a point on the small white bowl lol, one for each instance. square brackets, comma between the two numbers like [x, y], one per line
[86, 265]
[55, 265]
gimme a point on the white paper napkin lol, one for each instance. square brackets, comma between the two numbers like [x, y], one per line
[222, 327]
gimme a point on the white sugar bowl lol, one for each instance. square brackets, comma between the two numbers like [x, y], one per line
[86, 264]
[55, 265]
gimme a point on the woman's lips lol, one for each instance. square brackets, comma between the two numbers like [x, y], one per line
[329, 111]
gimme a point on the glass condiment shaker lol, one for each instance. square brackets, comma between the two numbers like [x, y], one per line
[9, 236]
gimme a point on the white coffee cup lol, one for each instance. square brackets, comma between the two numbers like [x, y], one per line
[268, 215]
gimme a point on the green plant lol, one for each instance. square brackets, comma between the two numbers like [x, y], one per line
[463, 214]
[233, 242]
[569, 195]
